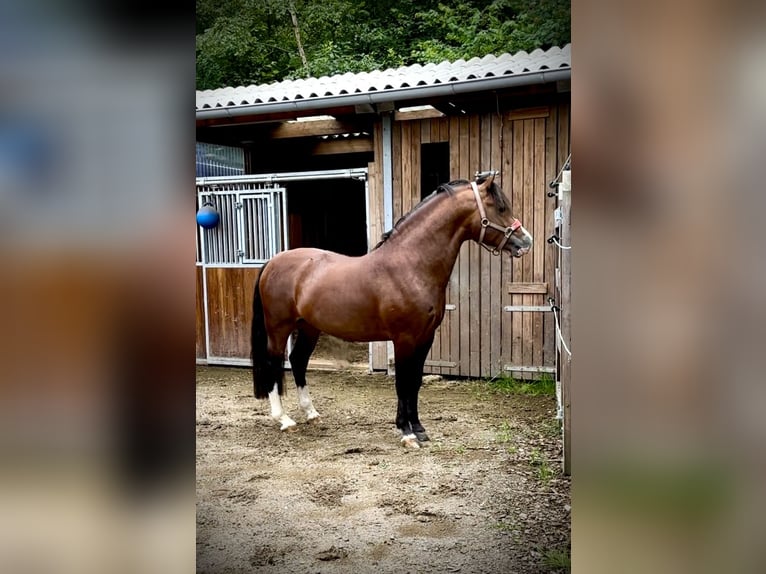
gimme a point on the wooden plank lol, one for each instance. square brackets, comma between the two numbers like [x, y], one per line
[485, 260]
[551, 169]
[518, 210]
[374, 205]
[445, 125]
[527, 261]
[375, 184]
[415, 173]
[530, 113]
[317, 128]
[540, 189]
[436, 130]
[453, 351]
[526, 307]
[529, 368]
[425, 131]
[438, 363]
[332, 147]
[474, 262]
[505, 132]
[563, 129]
[442, 346]
[406, 187]
[417, 115]
[396, 177]
[464, 261]
[375, 177]
[201, 346]
[522, 287]
[496, 263]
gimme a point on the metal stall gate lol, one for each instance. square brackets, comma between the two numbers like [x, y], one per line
[252, 228]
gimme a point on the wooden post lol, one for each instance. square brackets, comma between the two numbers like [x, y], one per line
[564, 303]
[388, 206]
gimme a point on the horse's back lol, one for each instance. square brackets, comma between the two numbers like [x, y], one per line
[304, 260]
[293, 271]
[333, 292]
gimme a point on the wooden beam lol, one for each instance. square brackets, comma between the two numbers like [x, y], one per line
[530, 113]
[258, 118]
[418, 115]
[526, 288]
[529, 368]
[331, 147]
[448, 364]
[316, 128]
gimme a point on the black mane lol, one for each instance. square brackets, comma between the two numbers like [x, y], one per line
[494, 191]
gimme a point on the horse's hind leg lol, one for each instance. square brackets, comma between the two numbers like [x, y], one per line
[299, 360]
[277, 344]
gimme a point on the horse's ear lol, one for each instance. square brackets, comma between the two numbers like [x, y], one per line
[485, 178]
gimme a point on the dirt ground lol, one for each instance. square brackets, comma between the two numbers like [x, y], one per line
[341, 494]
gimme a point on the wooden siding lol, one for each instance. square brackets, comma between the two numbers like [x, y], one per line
[230, 301]
[477, 337]
[201, 350]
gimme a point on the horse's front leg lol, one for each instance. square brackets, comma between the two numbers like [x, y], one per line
[409, 378]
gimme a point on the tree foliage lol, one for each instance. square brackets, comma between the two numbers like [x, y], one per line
[241, 42]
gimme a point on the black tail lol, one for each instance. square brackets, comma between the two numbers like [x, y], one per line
[267, 370]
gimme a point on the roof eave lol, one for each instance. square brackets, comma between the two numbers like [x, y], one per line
[400, 94]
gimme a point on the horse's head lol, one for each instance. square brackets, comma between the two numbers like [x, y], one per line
[500, 230]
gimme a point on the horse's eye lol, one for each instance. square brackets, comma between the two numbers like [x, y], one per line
[501, 209]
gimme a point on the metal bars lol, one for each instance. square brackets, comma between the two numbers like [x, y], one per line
[251, 229]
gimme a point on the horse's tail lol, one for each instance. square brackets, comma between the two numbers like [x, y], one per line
[266, 369]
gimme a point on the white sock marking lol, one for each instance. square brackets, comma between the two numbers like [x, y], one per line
[410, 440]
[304, 401]
[277, 412]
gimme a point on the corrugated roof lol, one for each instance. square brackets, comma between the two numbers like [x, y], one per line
[380, 81]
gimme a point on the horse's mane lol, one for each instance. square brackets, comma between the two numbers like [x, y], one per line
[448, 188]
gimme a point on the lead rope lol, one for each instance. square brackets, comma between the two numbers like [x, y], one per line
[554, 308]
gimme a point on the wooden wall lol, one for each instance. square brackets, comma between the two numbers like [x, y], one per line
[200, 317]
[230, 310]
[477, 337]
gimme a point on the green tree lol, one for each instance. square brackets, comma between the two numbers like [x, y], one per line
[240, 42]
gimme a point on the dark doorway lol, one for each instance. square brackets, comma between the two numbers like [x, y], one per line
[434, 166]
[328, 214]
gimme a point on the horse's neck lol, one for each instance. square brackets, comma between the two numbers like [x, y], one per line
[430, 237]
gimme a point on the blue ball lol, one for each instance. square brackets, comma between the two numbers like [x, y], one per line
[207, 217]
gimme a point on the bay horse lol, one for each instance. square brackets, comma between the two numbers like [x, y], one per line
[396, 292]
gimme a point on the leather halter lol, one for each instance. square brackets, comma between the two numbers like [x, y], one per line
[506, 231]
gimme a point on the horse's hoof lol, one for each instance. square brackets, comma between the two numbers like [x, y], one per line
[313, 418]
[289, 426]
[422, 436]
[410, 441]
